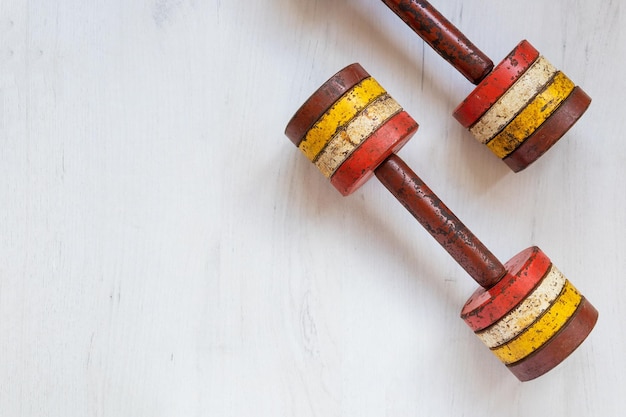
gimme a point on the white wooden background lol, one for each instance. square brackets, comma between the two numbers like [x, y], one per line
[166, 251]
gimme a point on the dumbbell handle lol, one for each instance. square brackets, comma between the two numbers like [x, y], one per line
[440, 222]
[443, 37]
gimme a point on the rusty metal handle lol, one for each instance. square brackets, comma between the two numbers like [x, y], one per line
[440, 222]
[443, 37]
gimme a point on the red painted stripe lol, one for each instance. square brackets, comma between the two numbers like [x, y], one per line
[360, 166]
[495, 84]
[524, 272]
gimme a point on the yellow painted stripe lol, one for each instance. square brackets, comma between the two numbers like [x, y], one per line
[537, 111]
[543, 329]
[347, 139]
[522, 316]
[338, 115]
[531, 82]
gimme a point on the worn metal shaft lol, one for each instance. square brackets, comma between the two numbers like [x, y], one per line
[440, 222]
[443, 37]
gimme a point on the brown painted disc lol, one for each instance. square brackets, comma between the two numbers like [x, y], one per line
[550, 131]
[322, 99]
[560, 346]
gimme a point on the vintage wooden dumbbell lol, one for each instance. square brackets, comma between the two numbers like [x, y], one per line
[525, 311]
[521, 108]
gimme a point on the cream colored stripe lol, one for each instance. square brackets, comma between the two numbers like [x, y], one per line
[518, 319]
[513, 100]
[542, 330]
[347, 139]
[534, 114]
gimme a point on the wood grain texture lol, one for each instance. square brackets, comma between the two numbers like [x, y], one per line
[161, 238]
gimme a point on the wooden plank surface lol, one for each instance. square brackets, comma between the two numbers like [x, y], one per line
[166, 251]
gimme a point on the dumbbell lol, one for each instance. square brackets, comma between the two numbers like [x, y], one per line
[520, 108]
[525, 311]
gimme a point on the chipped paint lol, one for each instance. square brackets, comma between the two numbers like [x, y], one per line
[338, 115]
[543, 329]
[513, 100]
[532, 116]
[527, 312]
[347, 139]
